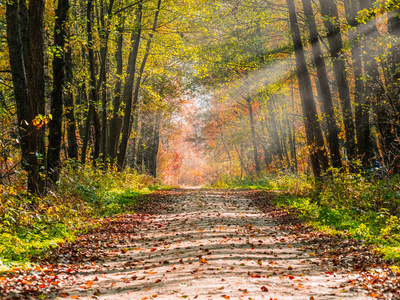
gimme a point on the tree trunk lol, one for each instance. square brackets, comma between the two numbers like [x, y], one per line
[383, 113]
[93, 93]
[23, 20]
[56, 108]
[315, 140]
[105, 33]
[361, 105]
[128, 89]
[139, 78]
[329, 11]
[19, 79]
[394, 29]
[253, 135]
[116, 122]
[155, 147]
[70, 108]
[325, 90]
[274, 132]
[36, 87]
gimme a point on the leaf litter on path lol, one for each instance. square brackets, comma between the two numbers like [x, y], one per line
[198, 244]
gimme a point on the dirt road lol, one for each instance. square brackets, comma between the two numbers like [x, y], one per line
[205, 245]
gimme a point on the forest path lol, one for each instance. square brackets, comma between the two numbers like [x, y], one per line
[206, 245]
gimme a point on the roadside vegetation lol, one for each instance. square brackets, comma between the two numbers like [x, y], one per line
[30, 225]
[352, 205]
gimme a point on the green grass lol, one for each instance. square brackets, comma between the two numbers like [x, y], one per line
[379, 228]
[363, 208]
[299, 184]
[30, 226]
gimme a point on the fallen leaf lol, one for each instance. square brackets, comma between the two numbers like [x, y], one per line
[264, 289]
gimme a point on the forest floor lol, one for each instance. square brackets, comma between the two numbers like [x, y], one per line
[206, 244]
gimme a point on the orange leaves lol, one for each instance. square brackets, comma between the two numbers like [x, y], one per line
[203, 261]
[89, 283]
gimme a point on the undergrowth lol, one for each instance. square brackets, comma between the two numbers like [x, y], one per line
[30, 225]
[364, 208]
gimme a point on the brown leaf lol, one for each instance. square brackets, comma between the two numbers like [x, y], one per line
[264, 289]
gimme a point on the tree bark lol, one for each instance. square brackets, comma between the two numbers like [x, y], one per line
[56, 108]
[105, 33]
[253, 134]
[24, 20]
[315, 140]
[325, 90]
[383, 113]
[70, 108]
[362, 125]
[93, 93]
[274, 132]
[116, 121]
[19, 79]
[329, 11]
[36, 87]
[129, 84]
[141, 71]
[394, 30]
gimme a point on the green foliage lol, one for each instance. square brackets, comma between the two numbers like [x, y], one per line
[300, 184]
[30, 225]
[357, 206]
[351, 204]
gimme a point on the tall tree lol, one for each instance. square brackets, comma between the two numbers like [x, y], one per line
[330, 115]
[18, 72]
[315, 140]
[374, 90]
[56, 107]
[69, 104]
[330, 13]
[129, 85]
[253, 134]
[94, 97]
[104, 34]
[116, 122]
[362, 125]
[36, 95]
[394, 30]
